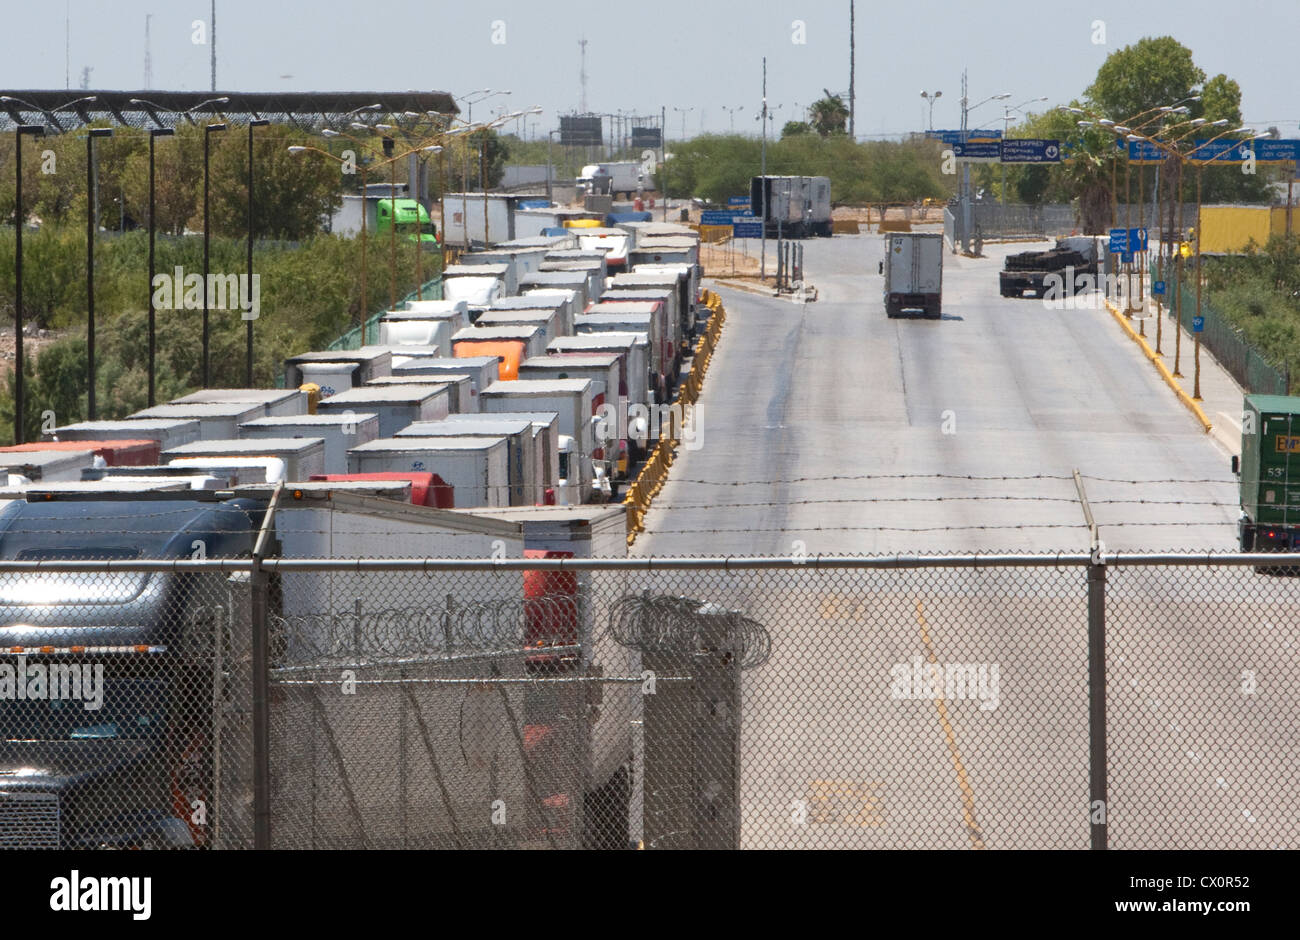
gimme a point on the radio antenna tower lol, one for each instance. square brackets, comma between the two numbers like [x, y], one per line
[148, 60]
[582, 75]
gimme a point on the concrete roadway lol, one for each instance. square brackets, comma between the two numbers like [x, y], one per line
[997, 388]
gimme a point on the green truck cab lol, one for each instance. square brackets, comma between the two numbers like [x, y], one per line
[413, 222]
[1269, 472]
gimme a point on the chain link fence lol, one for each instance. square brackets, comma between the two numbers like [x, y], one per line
[1046, 701]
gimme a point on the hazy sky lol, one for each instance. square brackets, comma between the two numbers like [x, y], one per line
[698, 54]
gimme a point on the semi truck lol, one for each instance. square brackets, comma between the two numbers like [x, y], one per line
[792, 206]
[1060, 269]
[626, 179]
[1269, 474]
[380, 209]
[913, 270]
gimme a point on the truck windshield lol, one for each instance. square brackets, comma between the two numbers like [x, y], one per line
[130, 710]
[564, 466]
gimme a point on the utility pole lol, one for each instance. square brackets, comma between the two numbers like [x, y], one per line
[212, 42]
[853, 96]
[762, 119]
[148, 61]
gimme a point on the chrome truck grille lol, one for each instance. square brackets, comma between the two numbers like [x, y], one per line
[29, 820]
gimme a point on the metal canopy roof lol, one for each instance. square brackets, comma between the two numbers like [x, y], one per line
[64, 110]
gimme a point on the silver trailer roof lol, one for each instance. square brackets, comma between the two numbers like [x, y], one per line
[487, 334]
[257, 447]
[619, 307]
[562, 361]
[383, 394]
[476, 270]
[531, 302]
[404, 444]
[538, 387]
[322, 420]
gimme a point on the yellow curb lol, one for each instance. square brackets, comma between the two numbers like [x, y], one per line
[1160, 367]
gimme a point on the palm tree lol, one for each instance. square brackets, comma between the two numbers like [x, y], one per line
[829, 115]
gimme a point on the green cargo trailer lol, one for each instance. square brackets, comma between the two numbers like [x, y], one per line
[1270, 474]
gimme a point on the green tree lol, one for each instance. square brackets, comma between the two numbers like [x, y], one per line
[1152, 72]
[795, 128]
[829, 115]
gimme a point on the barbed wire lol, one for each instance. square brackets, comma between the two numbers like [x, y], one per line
[682, 626]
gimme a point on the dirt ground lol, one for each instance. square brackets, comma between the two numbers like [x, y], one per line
[32, 345]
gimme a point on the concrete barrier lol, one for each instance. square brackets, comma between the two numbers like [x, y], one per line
[654, 474]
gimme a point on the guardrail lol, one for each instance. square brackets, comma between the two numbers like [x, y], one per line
[654, 474]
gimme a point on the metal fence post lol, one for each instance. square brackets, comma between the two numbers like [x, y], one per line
[260, 587]
[1097, 803]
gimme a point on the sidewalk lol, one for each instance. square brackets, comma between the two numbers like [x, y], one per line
[1221, 396]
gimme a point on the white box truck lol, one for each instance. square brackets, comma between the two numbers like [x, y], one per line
[217, 421]
[546, 441]
[482, 372]
[518, 433]
[571, 400]
[565, 302]
[913, 270]
[548, 321]
[396, 405]
[277, 402]
[46, 466]
[339, 369]
[418, 328]
[302, 456]
[633, 350]
[477, 468]
[167, 432]
[339, 431]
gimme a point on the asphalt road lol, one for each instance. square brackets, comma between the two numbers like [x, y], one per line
[827, 428]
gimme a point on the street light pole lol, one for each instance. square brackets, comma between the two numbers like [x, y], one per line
[248, 318]
[208, 131]
[154, 134]
[36, 130]
[91, 222]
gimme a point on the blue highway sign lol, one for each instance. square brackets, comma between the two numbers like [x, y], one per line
[1024, 150]
[747, 229]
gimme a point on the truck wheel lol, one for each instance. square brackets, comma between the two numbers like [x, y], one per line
[606, 812]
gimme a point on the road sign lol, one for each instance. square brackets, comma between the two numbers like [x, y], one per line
[1028, 150]
[1219, 151]
[1118, 240]
[747, 229]
[739, 201]
[1198, 324]
[1137, 239]
[1277, 151]
[978, 151]
[954, 137]
[718, 216]
[1144, 152]
[1158, 288]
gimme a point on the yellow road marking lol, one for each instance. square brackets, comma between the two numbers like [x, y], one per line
[963, 781]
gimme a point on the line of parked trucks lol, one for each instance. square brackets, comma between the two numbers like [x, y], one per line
[499, 419]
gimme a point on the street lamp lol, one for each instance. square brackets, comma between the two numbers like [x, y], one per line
[683, 112]
[154, 134]
[91, 134]
[248, 315]
[731, 113]
[208, 131]
[36, 130]
[932, 97]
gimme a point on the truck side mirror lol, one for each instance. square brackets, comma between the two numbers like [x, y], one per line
[882, 267]
[1236, 465]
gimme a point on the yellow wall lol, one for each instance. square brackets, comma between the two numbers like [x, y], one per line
[1228, 229]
